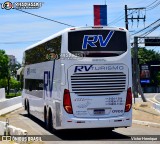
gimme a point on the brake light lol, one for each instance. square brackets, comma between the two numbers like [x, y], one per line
[67, 102]
[128, 100]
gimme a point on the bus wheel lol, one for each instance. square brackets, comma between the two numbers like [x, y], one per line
[25, 104]
[28, 110]
[50, 122]
[46, 119]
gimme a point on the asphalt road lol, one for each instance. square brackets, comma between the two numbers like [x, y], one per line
[34, 126]
[155, 96]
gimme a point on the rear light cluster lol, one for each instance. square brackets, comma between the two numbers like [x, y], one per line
[67, 102]
[68, 105]
[128, 100]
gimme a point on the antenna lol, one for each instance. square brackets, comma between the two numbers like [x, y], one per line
[105, 2]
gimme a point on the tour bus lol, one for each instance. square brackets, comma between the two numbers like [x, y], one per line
[80, 78]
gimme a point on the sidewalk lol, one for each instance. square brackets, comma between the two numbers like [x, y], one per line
[144, 114]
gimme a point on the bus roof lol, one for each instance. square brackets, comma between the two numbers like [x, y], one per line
[70, 29]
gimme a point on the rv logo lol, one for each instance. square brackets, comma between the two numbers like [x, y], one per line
[92, 40]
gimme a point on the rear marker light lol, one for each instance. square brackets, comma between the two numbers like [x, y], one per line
[117, 120]
[72, 29]
[80, 121]
[128, 100]
[97, 27]
[121, 29]
[67, 102]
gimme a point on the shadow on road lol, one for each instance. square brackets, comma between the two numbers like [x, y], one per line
[90, 134]
[83, 134]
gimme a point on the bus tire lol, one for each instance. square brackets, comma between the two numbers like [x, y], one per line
[25, 104]
[46, 119]
[50, 122]
[28, 110]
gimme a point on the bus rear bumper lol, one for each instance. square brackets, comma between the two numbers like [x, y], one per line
[82, 123]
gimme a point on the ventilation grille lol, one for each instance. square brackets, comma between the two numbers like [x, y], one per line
[96, 84]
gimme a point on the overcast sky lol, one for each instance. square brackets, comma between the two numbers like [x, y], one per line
[19, 30]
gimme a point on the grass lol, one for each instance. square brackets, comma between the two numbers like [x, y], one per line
[11, 95]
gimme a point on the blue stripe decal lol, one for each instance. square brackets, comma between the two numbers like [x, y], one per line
[48, 83]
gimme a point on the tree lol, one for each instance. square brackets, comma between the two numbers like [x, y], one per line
[3, 83]
[14, 68]
[14, 84]
[4, 69]
[146, 56]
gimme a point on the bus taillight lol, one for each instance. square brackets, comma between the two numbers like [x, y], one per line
[67, 102]
[128, 100]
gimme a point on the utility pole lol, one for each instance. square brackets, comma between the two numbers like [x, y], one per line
[136, 78]
[132, 18]
[126, 17]
[135, 67]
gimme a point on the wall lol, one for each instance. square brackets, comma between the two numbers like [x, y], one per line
[2, 94]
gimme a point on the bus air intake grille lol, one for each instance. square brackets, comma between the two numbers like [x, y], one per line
[98, 84]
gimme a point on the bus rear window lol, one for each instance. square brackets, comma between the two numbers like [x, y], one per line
[97, 43]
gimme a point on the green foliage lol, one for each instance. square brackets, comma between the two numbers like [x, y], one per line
[3, 83]
[14, 68]
[11, 95]
[4, 69]
[146, 56]
[14, 84]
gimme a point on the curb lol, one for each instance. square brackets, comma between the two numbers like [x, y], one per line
[155, 105]
[147, 111]
[10, 109]
[146, 123]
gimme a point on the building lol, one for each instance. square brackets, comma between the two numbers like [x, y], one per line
[12, 59]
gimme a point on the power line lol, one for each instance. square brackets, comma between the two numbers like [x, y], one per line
[45, 18]
[147, 27]
[154, 6]
[120, 18]
[150, 31]
[151, 3]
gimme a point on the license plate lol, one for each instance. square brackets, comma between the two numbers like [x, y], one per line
[99, 111]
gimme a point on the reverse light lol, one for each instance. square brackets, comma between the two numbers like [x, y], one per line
[67, 102]
[128, 100]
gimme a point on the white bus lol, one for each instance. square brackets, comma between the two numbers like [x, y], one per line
[80, 78]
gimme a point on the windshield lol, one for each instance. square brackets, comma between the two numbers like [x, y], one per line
[97, 43]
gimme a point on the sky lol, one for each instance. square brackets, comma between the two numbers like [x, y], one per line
[19, 30]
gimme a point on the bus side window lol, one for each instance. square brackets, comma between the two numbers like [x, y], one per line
[30, 87]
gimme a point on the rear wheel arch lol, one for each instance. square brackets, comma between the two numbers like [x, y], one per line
[51, 119]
